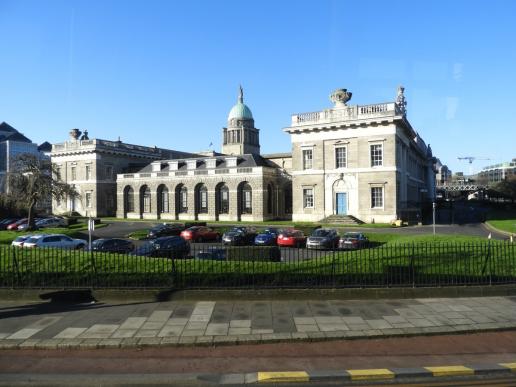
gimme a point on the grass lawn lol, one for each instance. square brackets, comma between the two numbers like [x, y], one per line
[440, 259]
[508, 225]
[73, 231]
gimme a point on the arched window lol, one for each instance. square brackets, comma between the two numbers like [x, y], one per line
[288, 199]
[270, 198]
[222, 196]
[201, 197]
[129, 199]
[246, 198]
[145, 199]
[181, 199]
[163, 204]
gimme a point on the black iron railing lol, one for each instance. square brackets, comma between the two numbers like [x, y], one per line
[217, 266]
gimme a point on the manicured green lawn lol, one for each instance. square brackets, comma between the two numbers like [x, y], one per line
[508, 225]
[433, 260]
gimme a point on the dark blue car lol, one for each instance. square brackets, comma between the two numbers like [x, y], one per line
[267, 238]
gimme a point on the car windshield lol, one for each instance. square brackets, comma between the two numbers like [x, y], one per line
[97, 243]
[33, 239]
[21, 238]
[320, 233]
[351, 236]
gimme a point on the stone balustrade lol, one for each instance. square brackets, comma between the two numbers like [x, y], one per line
[96, 143]
[346, 113]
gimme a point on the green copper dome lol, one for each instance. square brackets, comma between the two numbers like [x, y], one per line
[240, 110]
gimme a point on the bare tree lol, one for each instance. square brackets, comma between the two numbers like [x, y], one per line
[34, 180]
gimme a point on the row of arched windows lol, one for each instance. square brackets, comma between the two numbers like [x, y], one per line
[201, 205]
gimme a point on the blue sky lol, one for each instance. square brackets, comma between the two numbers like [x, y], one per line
[166, 73]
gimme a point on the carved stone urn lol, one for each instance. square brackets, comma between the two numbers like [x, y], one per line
[74, 134]
[340, 96]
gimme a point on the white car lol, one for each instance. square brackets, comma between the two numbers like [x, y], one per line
[19, 241]
[58, 241]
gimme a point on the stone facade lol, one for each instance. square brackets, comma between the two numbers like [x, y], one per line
[365, 161]
[91, 166]
[267, 186]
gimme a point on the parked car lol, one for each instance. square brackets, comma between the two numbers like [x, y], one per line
[323, 238]
[216, 254]
[25, 226]
[268, 237]
[165, 230]
[239, 236]
[51, 222]
[291, 238]
[112, 245]
[14, 226]
[6, 222]
[58, 241]
[200, 234]
[19, 241]
[165, 247]
[353, 241]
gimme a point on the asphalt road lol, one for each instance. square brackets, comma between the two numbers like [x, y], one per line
[120, 229]
[157, 365]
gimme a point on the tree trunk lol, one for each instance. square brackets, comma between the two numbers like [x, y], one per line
[30, 217]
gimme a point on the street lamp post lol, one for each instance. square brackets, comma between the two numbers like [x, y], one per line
[433, 215]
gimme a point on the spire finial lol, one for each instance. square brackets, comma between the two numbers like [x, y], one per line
[241, 95]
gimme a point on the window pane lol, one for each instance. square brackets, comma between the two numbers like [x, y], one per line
[308, 197]
[307, 159]
[376, 197]
[340, 157]
[376, 155]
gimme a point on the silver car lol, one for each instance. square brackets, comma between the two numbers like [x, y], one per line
[58, 241]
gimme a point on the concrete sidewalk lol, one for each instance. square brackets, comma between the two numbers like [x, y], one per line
[51, 325]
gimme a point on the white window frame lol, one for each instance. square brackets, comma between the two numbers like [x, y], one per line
[382, 190]
[87, 171]
[371, 154]
[305, 189]
[304, 159]
[337, 148]
[87, 198]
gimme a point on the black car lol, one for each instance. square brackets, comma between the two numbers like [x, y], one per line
[165, 247]
[239, 236]
[112, 245]
[214, 254]
[165, 230]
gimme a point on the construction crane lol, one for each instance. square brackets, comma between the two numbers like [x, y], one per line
[471, 159]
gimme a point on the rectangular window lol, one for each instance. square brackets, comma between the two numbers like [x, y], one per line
[376, 155]
[88, 172]
[58, 173]
[340, 157]
[224, 201]
[88, 199]
[308, 197]
[204, 202]
[109, 172]
[307, 158]
[164, 201]
[377, 197]
[74, 173]
[248, 204]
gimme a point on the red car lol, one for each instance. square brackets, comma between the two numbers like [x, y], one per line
[200, 234]
[291, 238]
[14, 226]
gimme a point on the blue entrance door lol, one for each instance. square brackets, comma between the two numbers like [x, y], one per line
[341, 203]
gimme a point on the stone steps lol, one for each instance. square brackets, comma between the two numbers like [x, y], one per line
[341, 219]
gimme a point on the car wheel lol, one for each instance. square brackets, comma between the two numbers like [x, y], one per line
[80, 247]
[200, 240]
